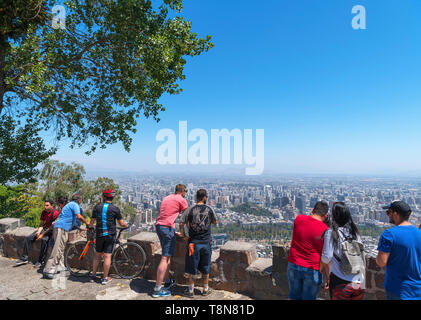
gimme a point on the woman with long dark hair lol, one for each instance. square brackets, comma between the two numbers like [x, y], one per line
[341, 286]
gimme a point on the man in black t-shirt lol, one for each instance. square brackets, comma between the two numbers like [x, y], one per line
[105, 214]
[198, 220]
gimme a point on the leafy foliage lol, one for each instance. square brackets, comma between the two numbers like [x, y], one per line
[91, 81]
[21, 150]
[251, 208]
[60, 179]
[21, 202]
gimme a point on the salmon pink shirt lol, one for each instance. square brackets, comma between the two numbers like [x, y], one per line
[170, 208]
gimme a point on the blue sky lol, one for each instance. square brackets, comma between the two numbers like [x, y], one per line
[331, 99]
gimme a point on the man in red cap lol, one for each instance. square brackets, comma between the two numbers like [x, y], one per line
[105, 214]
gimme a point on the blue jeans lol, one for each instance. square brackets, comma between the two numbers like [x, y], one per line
[304, 283]
[166, 236]
[199, 260]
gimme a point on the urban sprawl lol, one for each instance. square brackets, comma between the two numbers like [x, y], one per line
[280, 200]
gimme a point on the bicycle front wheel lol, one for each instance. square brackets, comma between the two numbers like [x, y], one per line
[79, 265]
[128, 260]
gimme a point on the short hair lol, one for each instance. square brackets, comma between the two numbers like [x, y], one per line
[180, 188]
[200, 194]
[76, 197]
[51, 202]
[321, 208]
[62, 200]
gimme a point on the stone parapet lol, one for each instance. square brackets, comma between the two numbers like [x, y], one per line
[234, 267]
[14, 241]
[374, 281]
[10, 224]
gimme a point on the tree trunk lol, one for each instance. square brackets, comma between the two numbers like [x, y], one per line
[3, 47]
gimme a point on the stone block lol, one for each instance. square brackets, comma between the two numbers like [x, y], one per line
[372, 265]
[227, 286]
[379, 280]
[75, 235]
[10, 224]
[369, 296]
[227, 270]
[149, 241]
[214, 270]
[368, 280]
[260, 267]
[242, 286]
[240, 274]
[280, 251]
[380, 295]
[238, 252]
[151, 269]
[14, 241]
[281, 280]
[180, 247]
[280, 258]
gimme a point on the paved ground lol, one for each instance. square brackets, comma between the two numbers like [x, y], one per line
[25, 282]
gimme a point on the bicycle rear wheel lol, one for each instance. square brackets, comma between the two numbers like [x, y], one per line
[128, 260]
[76, 265]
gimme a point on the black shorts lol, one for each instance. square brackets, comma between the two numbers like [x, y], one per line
[105, 244]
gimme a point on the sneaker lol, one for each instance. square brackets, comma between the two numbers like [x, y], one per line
[92, 278]
[37, 264]
[187, 293]
[49, 276]
[206, 292]
[169, 284]
[22, 261]
[106, 280]
[161, 293]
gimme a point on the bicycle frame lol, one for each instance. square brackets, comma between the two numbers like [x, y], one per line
[85, 250]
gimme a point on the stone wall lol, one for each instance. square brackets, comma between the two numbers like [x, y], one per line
[235, 266]
[12, 238]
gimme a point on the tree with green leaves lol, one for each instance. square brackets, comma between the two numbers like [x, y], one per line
[22, 201]
[90, 81]
[21, 149]
[58, 179]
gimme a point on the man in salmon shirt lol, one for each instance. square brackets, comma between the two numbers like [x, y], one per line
[171, 207]
[304, 278]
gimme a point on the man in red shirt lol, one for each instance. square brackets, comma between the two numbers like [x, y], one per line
[303, 273]
[43, 233]
[169, 210]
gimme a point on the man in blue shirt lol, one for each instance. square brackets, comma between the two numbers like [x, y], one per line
[69, 214]
[400, 252]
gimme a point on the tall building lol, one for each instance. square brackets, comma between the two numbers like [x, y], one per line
[300, 204]
[313, 201]
[284, 201]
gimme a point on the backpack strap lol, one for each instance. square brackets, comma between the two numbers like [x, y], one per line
[322, 235]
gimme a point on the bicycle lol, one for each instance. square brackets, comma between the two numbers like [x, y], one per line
[128, 259]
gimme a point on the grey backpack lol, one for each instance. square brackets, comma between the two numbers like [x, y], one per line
[353, 259]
